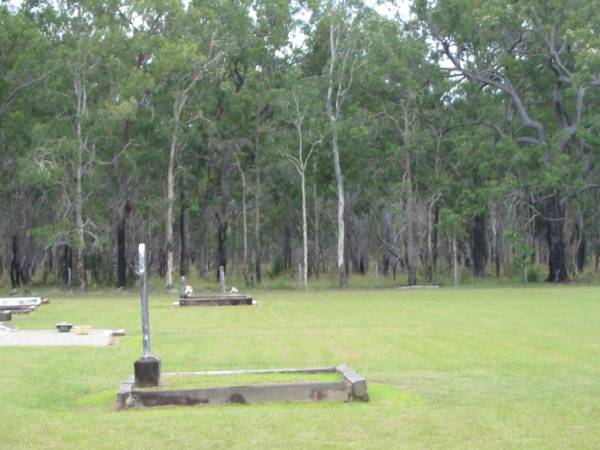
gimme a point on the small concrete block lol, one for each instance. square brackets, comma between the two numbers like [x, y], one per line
[358, 384]
[147, 371]
[5, 316]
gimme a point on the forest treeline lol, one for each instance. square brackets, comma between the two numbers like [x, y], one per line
[273, 135]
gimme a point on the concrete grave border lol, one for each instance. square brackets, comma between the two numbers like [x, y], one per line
[351, 387]
[10, 337]
[216, 300]
[22, 305]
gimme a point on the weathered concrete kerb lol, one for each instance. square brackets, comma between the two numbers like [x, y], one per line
[350, 387]
[217, 300]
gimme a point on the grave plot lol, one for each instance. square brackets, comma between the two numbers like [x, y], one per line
[246, 386]
[224, 298]
[150, 387]
[216, 300]
[97, 338]
[21, 305]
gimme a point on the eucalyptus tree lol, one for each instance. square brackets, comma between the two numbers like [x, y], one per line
[184, 48]
[304, 117]
[543, 57]
[25, 65]
[21, 61]
[70, 146]
[273, 56]
[339, 30]
[401, 80]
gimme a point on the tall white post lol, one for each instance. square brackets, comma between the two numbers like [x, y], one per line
[144, 299]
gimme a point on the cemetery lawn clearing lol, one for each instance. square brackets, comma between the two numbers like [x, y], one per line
[446, 368]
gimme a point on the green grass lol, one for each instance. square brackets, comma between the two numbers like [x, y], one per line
[446, 368]
[207, 381]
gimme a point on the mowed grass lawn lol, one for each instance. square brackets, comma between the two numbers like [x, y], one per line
[446, 368]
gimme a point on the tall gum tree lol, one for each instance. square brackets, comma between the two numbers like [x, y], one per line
[308, 141]
[181, 62]
[543, 57]
[25, 62]
[345, 58]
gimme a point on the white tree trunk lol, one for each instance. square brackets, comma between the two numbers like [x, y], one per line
[304, 233]
[317, 248]
[340, 213]
[181, 98]
[79, 254]
[410, 211]
[333, 119]
[257, 246]
[81, 96]
[170, 203]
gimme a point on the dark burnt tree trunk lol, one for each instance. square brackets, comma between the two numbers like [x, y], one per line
[66, 264]
[184, 255]
[557, 271]
[287, 246]
[162, 262]
[203, 260]
[580, 259]
[223, 212]
[202, 252]
[388, 232]
[222, 246]
[478, 245]
[498, 238]
[121, 251]
[16, 267]
[48, 264]
[435, 238]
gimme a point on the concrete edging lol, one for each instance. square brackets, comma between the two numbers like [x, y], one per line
[217, 300]
[351, 387]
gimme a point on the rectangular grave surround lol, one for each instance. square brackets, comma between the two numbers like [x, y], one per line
[21, 305]
[216, 300]
[95, 338]
[350, 387]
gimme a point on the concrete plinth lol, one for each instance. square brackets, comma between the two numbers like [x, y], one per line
[96, 338]
[5, 316]
[147, 371]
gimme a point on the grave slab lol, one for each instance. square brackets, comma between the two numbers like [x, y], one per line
[95, 338]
